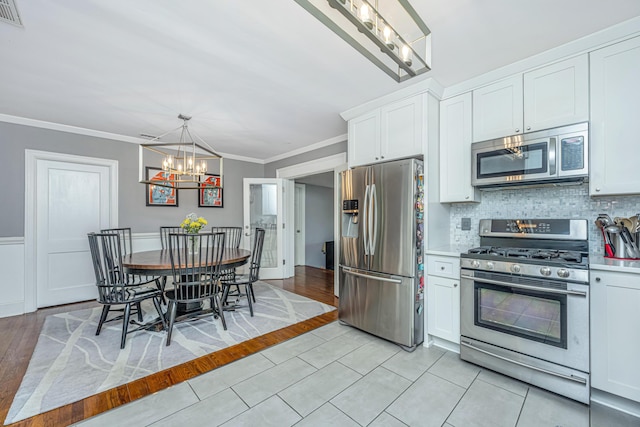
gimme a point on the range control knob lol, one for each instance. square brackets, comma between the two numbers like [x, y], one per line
[490, 265]
[515, 268]
[545, 271]
[475, 264]
[564, 273]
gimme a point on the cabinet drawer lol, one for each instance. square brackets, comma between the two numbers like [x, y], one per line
[443, 266]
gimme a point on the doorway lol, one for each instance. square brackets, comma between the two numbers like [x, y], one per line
[332, 164]
[66, 197]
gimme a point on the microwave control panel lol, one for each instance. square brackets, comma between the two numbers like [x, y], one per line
[572, 153]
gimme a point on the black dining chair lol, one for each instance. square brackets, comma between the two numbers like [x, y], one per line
[164, 234]
[232, 235]
[247, 280]
[114, 286]
[126, 247]
[196, 275]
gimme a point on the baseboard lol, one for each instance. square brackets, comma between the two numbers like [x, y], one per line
[447, 345]
[618, 403]
[11, 309]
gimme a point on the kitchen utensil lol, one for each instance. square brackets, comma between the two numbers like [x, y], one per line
[606, 219]
[608, 249]
[628, 238]
[624, 248]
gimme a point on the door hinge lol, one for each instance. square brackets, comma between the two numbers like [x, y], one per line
[284, 262]
[283, 225]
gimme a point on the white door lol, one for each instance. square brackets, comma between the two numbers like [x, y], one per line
[300, 224]
[264, 208]
[72, 199]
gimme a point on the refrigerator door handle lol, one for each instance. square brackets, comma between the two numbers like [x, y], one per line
[365, 222]
[374, 220]
[367, 276]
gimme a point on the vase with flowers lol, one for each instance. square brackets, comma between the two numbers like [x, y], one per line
[192, 224]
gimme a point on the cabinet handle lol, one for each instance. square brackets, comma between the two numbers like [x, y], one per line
[597, 189]
[597, 279]
[376, 158]
[441, 268]
[455, 285]
[517, 130]
[466, 198]
[528, 127]
[382, 157]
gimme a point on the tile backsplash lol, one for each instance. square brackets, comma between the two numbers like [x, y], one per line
[543, 202]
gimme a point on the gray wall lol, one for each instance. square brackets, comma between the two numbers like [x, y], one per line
[270, 168]
[318, 223]
[132, 212]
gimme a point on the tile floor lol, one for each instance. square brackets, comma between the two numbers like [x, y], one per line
[339, 376]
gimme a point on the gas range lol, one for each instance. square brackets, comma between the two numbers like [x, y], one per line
[549, 248]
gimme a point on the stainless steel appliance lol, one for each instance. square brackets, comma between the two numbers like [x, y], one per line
[381, 268]
[548, 156]
[524, 303]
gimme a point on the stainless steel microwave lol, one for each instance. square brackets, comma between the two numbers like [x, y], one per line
[548, 156]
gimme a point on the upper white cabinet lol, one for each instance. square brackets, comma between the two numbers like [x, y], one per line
[557, 95]
[497, 109]
[551, 96]
[455, 150]
[615, 316]
[615, 128]
[390, 132]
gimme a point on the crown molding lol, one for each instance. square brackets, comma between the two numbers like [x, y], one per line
[317, 145]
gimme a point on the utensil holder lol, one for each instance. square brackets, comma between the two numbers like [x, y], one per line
[622, 251]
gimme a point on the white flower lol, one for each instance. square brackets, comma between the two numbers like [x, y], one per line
[192, 217]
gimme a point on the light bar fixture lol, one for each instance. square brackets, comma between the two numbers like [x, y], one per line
[389, 33]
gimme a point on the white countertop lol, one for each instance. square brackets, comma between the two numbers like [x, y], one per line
[453, 250]
[610, 264]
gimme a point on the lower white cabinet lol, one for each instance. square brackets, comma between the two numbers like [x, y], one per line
[443, 298]
[615, 333]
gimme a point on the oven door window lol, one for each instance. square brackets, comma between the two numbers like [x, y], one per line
[523, 160]
[534, 315]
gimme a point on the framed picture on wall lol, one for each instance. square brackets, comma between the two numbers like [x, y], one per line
[160, 195]
[210, 193]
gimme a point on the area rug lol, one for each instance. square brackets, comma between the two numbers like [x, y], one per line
[70, 363]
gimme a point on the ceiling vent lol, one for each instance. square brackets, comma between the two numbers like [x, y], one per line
[9, 12]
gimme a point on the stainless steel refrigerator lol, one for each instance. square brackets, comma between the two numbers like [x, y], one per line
[381, 262]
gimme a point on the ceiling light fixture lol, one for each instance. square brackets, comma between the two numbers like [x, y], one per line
[389, 33]
[183, 163]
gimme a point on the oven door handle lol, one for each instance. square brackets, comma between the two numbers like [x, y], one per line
[535, 368]
[527, 287]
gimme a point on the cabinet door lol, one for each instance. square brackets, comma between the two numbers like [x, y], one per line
[557, 95]
[455, 150]
[615, 316]
[497, 109]
[401, 129]
[364, 139]
[443, 308]
[615, 128]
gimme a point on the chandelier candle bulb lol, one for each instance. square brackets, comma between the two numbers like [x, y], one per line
[387, 37]
[365, 15]
[406, 55]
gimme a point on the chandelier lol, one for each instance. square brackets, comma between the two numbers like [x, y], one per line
[389, 33]
[182, 165]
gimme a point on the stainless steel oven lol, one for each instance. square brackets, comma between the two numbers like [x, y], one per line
[554, 155]
[524, 306]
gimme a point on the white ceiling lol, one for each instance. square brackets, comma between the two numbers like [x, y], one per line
[260, 77]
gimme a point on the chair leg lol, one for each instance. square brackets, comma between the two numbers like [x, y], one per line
[247, 290]
[139, 310]
[125, 324]
[215, 300]
[225, 293]
[161, 283]
[156, 302]
[253, 295]
[103, 317]
[171, 310]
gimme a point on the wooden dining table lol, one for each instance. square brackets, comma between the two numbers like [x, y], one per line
[158, 263]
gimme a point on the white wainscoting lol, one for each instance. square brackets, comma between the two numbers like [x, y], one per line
[12, 282]
[12, 265]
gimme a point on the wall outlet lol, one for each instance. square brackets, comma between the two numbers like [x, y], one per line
[465, 224]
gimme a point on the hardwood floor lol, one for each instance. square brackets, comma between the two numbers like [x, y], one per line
[19, 334]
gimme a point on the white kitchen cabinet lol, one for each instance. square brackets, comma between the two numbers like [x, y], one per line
[364, 139]
[615, 128]
[497, 109]
[551, 96]
[443, 299]
[393, 131]
[615, 343]
[455, 150]
[557, 95]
